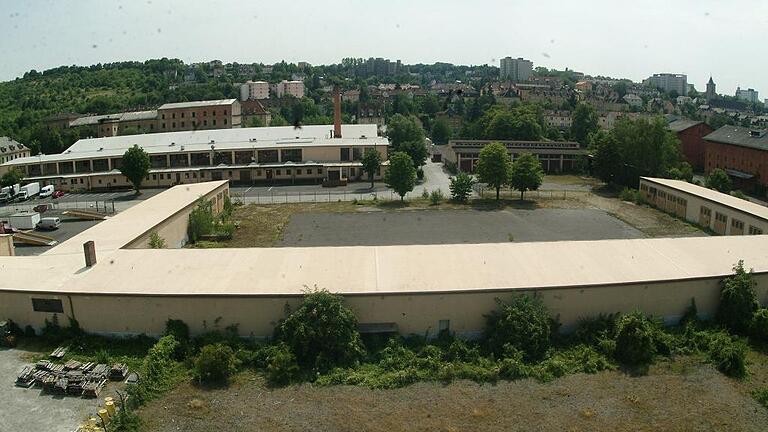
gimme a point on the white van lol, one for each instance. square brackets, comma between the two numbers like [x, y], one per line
[46, 191]
[49, 223]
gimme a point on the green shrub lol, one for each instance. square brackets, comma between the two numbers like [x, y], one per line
[635, 339]
[157, 242]
[691, 314]
[215, 364]
[201, 220]
[738, 301]
[419, 173]
[760, 324]
[157, 372]
[281, 366]
[180, 331]
[728, 354]
[593, 330]
[322, 333]
[523, 323]
[425, 194]
[436, 197]
[631, 195]
[761, 395]
[512, 366]
[461, 187]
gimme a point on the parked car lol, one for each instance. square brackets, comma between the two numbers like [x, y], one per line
[49, 223]
[57, 194]
[46, 191]
[42, 208]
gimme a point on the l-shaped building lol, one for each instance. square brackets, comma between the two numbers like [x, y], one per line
[131, 289]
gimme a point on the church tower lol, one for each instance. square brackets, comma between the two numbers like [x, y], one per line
[711, 93]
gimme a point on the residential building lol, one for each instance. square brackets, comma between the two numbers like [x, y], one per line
[691, 134]
[242, 155]
[633, 100]
[583, 86]
[254, 109]
[11, 150]
[292, 88]
[558, 119]
[749, 95]
[199, 115]
[515, 69]
[555, 156]
[669, 82]
[741, 152]
[254, 90]
[722, 213]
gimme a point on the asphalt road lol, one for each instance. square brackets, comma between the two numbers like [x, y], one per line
[452, 227]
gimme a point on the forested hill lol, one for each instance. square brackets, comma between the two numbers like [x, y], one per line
[100, 89]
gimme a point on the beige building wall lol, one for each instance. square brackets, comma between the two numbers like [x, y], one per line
[720, 219]
[413, 313]
[174, 230]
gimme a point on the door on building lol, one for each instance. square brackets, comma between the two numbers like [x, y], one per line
[178, 178]
[334, 175]
[705, 216]
[721, 222]
[466, 165]
[269, 174]
[245, 176]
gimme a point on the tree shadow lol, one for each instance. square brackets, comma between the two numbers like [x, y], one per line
[607, 191]
[485, 204]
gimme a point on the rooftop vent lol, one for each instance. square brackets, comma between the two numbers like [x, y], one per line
[172, 144]
[213, 141]
[182, 148]
[101, 149]
[756, 133]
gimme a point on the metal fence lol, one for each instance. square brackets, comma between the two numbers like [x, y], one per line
[107, 207]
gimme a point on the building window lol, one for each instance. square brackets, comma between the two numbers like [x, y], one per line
[755, 230]
[309, 170]
[290, 155]
[298, 171]
[205, 113]
[205, 122]
[193, 114]
[163, 125]
[194, 175]
[186, 175]
[277, 172]
[225, 112]
[344, 154]
[163, 116]
[225, 121]
[47, 305]
[213, 113]
[319, 170]
[182, 124]
[721, 217]
[182, 114]
[214, 122]
[737, 224]
[154, 176]
[173, 115]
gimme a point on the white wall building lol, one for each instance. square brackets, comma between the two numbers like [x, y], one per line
[253, 90]
[669, 82]
[518, 69]
[749, 95]
[293, 88]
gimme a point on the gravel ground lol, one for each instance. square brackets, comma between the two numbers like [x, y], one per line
[698, 398]
[452, 226]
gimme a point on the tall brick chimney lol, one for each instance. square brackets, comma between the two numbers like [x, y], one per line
[336, 112]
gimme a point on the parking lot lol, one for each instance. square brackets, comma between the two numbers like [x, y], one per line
[69, 228]
[23, 410]
[452, 226]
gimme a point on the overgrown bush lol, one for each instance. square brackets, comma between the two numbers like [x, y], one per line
[201, 220]
[215, 364]
[635, 339]
[419, 173]
[436, 197]
[738, 301]
[593, 330]
[728, 354]
[425, 194]
[761, 395]
[157, 242]
[322, 333]
[523, 323]
[461, 187]
[157, 372]
[281, 366]
[180, 331]
[631, 195]
[760, 324]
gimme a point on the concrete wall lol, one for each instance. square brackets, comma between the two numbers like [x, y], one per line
[691, 210]
[412, 313]
[174, 230]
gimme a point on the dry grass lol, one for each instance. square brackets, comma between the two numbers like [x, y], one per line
[700, 399]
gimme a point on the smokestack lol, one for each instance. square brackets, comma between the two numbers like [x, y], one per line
[89, 248]
[336, 112]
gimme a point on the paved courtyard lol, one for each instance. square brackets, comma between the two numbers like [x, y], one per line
[452, 226]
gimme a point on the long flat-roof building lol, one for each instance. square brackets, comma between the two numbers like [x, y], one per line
[246, 155]
[131, 289]
[555, 156]
[741, 152]
[721, 213]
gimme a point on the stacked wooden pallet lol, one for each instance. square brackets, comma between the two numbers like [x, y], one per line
[72, 365]
[26, 378]
[118, 372]
[58, 353]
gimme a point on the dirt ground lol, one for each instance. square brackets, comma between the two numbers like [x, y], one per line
[674, 396]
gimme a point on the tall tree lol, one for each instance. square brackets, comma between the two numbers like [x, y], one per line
[371, 163]
[135, 166]
[406, 135]
[401, 174]
[441, 132]
[584, 123]
[526, 173]
[461, 187]
[719, 180]
[12, 177]
[494, 166]
[607, 160]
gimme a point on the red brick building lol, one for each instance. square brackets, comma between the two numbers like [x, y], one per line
[691, 134]
[741, 152]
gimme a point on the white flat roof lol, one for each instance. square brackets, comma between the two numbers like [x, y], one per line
[197, 104]
[739, 204]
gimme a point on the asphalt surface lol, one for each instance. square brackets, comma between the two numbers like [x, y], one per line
[452, 227]
[30, 410]
[69, 228]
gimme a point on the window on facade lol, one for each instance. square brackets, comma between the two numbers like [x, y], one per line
[737, 224]
[47, 305]
[194, 175]
[225, 121]
[288, 171]
[290, 155]
[277, 172]
[173, 125]
[344, 154]
[213, 113]
[154, 176]
[721, 217]
[214, 122]
[163, 125]
[225, 112]
[182, 124]
[357, 153]
[182, 114]
[298, 171]
[309, 170]
[173, 115]
[205, 113]
[186, 175]
[267, 156]
[205, 122]
[258, 173]
[163, 116]
[755, 230]
[193, 114]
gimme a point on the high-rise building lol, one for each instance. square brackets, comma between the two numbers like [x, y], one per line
[669, 82]
[254, 90]
[293, 88]
[711, 89]
[749, 95]
[518, 69]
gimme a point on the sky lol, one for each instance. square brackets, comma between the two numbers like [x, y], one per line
[622, 39]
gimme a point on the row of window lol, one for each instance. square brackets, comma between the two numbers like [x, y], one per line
[5, 159]
[194, 114]
[194, 124]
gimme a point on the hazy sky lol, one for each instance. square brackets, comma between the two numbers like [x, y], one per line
[630, 39]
